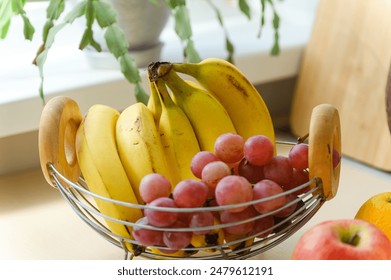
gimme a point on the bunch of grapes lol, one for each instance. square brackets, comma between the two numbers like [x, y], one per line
[245, 178]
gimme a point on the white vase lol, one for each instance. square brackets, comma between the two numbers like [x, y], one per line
[142, 23]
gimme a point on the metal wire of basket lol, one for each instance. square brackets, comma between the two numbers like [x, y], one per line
[81, 200]
[324, 137]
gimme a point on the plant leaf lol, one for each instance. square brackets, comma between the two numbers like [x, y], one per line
[77, 11]
[116, 41]
[129, 68]
[182, 22]
[104, 13]
[191, 53]
[28, 28]
[245, 8]
[55, 9]
[140, 94]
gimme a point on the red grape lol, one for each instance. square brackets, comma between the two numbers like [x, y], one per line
[336, 158]
[212, 173]
[201, 219]
[229, 147]
[242, 228]
[201, 159]
[264, 189]
[258, 150]
[146, 237]
[279, 170]
[253, 173]
[190, 193]
[289, 209]
[233, 189]
[177, 240]
[153, 186]
[262, 226]
[298, 156]
[160, 218]
[299, 177]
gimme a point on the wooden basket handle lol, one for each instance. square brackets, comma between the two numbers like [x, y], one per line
[59, 122]
[324, 137]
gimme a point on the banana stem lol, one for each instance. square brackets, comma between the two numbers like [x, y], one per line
[157, 70]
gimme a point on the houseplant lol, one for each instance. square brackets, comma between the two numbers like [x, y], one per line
[103, 14]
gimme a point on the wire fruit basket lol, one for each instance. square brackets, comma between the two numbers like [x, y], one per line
[58, 160]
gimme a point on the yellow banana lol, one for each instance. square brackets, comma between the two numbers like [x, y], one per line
[177, 136]
[139, 145]
[235, 92]
[212, 239]
[176, 254]
[102, 169]
[154, 104]
[207, 116]
[240, 245]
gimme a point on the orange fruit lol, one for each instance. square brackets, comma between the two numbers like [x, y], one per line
[377, 210]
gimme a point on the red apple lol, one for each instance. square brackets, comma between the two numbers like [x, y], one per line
[345, 239]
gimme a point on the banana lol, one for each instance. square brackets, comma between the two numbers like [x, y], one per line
[177, 136]
[139, 145]
[154, 104]
[235, 92]
[174, 255]
[237, 247]
[207, 116]
[212, 239]
[98, 158]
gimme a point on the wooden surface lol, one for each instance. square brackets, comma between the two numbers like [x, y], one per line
[346, 64]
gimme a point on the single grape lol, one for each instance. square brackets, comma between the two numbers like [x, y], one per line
[266, 189]
[242, 228]
[177, 240]
[160, 218]
[263, 226]
[154, 185]
[258, 150]
[190, 193]
[233, 189]
[253, 173]
[146, 237]
[279, 170]
[299, 177]
[229, 147]
[289, 209]
[212, 173]
[336, 158]
[199, 161]
[298, 156]
[201, 219]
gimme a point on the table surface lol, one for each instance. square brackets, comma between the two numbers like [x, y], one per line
[37, 223]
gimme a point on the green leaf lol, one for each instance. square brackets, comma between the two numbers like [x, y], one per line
[104, 13]
[89, 14]
[55, 9]
[4, 29]
[52, 34]
[28, 29]
[230, 49]
[245, 8]
[116, 41]
[129, 68]
[191, 53]
[46, 28]
[182, 22]
[85, 39]
[175, 3]
[276, 46]
[140, 94]
[77, 11]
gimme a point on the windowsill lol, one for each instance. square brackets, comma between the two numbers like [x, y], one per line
[67, 71]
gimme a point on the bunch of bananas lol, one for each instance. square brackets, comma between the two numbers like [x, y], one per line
[116, 150]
